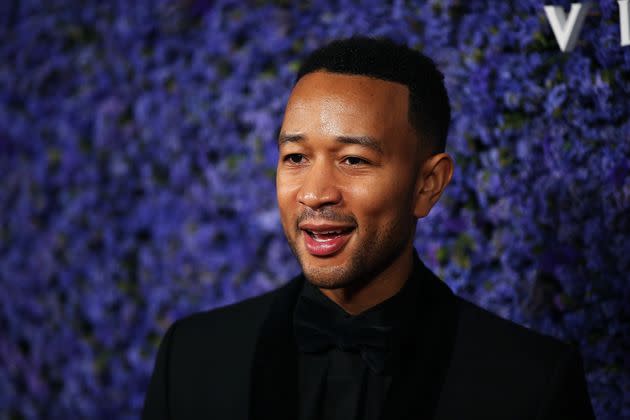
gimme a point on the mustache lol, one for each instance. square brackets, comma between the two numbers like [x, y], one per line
[326, 214]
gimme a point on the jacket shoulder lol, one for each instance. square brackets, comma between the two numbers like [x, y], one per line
[488, 332]
[516, 371]
[242, 316]
[203, 364]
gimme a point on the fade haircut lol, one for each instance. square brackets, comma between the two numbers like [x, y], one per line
[382, 58]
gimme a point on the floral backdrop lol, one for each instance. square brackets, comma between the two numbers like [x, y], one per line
[137, 158]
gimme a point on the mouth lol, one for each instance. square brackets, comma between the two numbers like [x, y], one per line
[325, 240]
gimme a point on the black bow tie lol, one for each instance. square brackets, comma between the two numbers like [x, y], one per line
[318, 328]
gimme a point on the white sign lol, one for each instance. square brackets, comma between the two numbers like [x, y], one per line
[567, 29]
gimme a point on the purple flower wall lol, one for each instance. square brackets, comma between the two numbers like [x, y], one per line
[137, 159]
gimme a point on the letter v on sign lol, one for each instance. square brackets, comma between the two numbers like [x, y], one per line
[624, 22]
[566, 30]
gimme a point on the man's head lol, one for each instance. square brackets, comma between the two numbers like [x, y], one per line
[360, 158]
[429, 111]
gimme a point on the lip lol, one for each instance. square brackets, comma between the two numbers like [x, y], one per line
[328, 245]
[324, 227]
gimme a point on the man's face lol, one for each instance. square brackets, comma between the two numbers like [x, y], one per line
[347, 172]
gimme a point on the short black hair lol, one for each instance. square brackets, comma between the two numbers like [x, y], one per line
[382, 58]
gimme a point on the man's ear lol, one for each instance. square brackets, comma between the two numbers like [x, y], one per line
[433, 177]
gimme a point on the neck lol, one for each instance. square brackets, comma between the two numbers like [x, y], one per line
[386, 284]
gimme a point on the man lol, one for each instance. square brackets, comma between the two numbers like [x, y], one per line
[366, 331]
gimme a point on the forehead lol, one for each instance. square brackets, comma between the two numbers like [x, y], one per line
[341, 104]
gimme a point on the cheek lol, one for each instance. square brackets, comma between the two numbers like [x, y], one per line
[286, 194]
[288, 181]
[382, 199]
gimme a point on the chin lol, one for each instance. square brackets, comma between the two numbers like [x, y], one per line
[331, 276]
[341, 270]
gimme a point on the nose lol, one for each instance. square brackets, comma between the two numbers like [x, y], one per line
[319, 188]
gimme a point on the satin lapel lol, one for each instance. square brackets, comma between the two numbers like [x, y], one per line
[415, 390]
[274, 375]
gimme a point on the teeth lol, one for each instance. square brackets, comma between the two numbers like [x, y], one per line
[319, 238]
[320, 235]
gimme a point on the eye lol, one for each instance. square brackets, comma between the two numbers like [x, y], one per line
[294, 158]
[353, 160]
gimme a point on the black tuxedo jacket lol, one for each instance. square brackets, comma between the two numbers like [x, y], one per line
[241, 362]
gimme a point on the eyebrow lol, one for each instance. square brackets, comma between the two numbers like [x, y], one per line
[365, 141]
